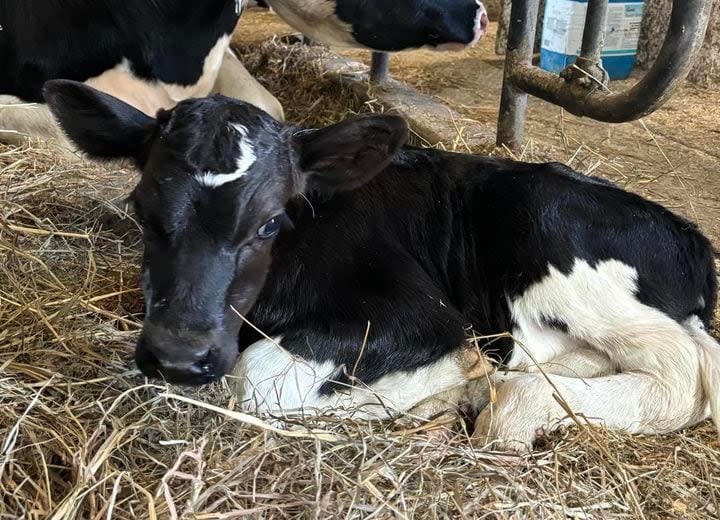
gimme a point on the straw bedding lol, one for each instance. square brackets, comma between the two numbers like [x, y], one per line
[83, 435]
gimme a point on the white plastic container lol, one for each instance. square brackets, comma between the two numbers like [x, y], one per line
[563, 26]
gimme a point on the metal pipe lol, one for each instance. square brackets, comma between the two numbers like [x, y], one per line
[590, 60]
[521, 44]
[594, 32]
[380, 67]
[683, 41]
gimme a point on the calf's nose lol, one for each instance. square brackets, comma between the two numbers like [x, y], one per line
[195, 363]
[180, 351]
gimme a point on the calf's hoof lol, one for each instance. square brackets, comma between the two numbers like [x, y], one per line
[523, 411]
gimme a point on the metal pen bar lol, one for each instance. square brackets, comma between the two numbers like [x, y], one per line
[379, 67]
[594, 32]
[513, 101]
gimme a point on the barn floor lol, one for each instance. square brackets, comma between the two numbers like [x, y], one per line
[84, 435]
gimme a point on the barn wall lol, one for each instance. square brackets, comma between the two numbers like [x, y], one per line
[706, 71]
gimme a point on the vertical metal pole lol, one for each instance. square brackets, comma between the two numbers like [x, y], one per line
[594, 33]
[590, 59]
[521, 44]
[380, 67]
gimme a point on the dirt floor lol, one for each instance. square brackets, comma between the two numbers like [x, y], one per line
[673, 156]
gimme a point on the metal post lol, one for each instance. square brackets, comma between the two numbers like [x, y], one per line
[594, 33]
[521, 44]
[380, 67]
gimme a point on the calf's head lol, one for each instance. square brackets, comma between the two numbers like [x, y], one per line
[216, 175]
[387, 25]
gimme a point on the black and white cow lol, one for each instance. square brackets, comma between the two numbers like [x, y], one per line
[387, 25]
[150, 54]
[153, 54]
[376, 270]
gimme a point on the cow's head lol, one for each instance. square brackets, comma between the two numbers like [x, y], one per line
[217, 174]
[387, 25]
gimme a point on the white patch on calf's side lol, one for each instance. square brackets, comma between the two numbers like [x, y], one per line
[591, 301]
[244, 162]
[273, 381]
[535, 341]
[151, 96]
[600, 307]
[659, 387]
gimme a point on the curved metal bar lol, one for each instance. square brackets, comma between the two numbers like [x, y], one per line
[584, 96]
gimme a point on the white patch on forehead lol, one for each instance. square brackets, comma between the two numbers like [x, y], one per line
[243, 163]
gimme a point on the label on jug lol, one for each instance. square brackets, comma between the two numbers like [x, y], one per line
[565, 20]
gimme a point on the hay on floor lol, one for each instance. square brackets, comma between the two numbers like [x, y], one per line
[83, 435]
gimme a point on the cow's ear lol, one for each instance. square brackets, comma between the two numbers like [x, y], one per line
[347, 155]
[99, 124]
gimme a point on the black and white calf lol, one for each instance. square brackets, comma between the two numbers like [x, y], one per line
[321, 237]
[154, 54]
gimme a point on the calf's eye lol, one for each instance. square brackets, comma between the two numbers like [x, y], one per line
[270, 228]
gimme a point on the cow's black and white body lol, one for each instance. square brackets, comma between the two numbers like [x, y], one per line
[387, 26]
[154, 54]
[150, 54]
[402, 265]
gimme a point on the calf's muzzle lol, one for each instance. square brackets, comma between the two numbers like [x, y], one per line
[185, 356]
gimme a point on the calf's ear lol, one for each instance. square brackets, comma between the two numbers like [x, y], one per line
[99, 124]
[347, 155]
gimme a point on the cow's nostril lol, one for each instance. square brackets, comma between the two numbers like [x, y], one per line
[484, 22]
